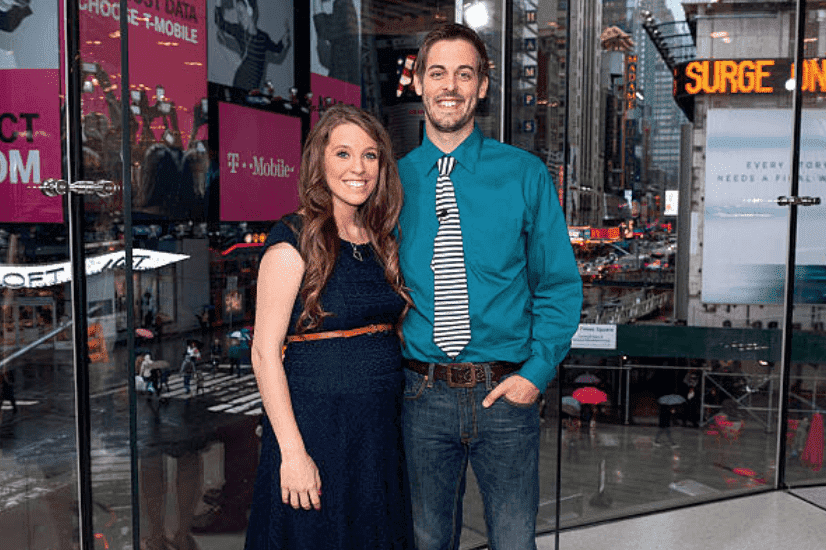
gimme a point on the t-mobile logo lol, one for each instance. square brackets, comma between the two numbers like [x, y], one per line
[232, 162]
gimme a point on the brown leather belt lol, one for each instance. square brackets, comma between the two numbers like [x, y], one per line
[369, 329]
[464, 375]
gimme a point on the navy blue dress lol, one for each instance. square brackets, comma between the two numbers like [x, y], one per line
[346, 395]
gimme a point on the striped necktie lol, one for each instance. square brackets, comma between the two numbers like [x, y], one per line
[451, 322]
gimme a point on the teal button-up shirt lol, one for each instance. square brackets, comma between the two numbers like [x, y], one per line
[524, 289]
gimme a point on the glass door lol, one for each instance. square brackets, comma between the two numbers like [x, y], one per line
[806, 401]
[64, 423]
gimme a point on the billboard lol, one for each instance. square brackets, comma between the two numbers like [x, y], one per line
[251, 44]
[30, 145]
[259, 155]
[748, 154]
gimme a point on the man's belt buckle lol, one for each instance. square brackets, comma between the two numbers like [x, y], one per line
[462, 375]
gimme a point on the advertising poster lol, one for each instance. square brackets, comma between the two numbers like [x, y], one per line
[329, 91]
[259, 154]
[334, 40]
[672, 200]
[167, 78]
[29, 111]
[748, 152]
[251, 44]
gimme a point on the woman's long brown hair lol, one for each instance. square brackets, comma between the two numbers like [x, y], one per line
[379, 215]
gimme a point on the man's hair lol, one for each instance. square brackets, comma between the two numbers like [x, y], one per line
[453, 31]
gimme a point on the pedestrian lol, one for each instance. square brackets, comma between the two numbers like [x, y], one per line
[148, 307]
[497, 299]
[190, 363]
[331, 473]
[691, 409]
[667, 413]
[7, 389]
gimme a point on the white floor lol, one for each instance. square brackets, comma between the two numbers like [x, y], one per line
[769, 521]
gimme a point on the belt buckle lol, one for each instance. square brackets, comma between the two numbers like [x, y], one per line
[462, 375]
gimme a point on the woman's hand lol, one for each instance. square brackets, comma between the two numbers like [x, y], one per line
[300, 482]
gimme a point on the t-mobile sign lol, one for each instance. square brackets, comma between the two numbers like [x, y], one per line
[260, 153]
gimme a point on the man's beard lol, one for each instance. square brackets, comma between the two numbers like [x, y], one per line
[456, 126]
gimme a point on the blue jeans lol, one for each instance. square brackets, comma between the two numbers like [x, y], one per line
[445, 429]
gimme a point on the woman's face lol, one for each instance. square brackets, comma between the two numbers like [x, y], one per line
[351, 166]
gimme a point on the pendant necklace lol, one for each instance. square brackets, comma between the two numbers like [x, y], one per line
[356, 247]
[356, 252]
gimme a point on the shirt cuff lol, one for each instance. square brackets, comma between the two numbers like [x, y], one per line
[538, 372]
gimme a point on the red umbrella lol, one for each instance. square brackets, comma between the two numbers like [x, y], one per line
[143, 333]
[590, 396]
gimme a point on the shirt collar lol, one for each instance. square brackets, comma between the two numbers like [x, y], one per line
[467, 153]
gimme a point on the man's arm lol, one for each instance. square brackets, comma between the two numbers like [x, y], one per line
[556, 290]
[556, 286]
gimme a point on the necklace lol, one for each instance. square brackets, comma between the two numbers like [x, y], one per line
[356, 252]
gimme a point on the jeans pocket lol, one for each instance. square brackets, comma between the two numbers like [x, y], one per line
[514, 403]
[521, 405]
[414, 384]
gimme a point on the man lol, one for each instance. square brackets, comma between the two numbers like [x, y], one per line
[497, 296]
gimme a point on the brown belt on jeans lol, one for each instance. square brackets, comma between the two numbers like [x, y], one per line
[464, 375]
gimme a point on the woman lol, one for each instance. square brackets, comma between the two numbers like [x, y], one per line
[331, 474]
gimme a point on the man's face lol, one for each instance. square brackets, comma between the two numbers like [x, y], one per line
[451, 86]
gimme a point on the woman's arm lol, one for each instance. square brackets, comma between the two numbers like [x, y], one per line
[279, 280]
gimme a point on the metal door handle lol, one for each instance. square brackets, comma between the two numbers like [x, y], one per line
[102, 188]
[798, 201]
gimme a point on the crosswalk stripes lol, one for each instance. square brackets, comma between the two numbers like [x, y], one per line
[235, 395]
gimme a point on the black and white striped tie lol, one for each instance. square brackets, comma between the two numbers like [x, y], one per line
[451, 322]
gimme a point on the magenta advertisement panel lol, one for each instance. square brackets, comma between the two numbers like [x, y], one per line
[328, 91]
[29, 144]
[167, 81]
[260, 153]
[29, 111]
